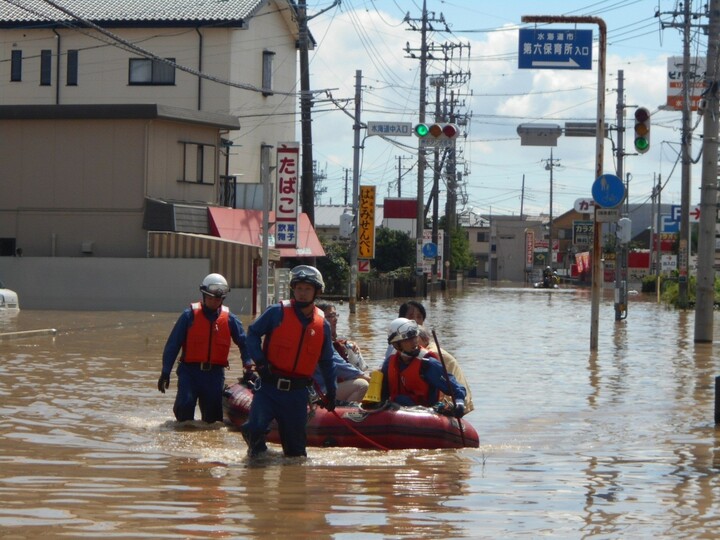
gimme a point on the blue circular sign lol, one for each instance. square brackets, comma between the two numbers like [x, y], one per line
[608, 191]
[429, 250]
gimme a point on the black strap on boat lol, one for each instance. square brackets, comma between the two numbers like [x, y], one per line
[452, 390]
[349, 425]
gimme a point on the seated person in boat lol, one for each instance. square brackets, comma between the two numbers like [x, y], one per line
[347, 349]
[413, 375]
[413, 310]
[452, 366]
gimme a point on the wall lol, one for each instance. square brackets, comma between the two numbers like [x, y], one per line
[105, 284]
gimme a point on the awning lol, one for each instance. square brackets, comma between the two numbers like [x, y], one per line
[245, 226]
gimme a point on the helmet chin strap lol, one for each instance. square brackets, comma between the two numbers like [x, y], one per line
[411, 354]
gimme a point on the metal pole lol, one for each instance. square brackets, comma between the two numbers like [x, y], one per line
[356, 189]
[620, 249]
[599, 149]
[705, 293]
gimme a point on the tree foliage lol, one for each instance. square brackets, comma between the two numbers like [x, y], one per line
[393, 250]
[335, 267]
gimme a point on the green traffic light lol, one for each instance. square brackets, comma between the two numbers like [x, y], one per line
[642, 144]
[421, 130]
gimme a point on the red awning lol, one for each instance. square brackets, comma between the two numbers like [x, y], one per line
[245, 226]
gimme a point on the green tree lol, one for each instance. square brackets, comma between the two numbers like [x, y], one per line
[462, 258]
[393, 250]
[335, 267]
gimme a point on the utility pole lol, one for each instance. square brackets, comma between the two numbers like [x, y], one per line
[356, 194]
[550, 164]
[621, 250]
[705, 290]
[345, 203]
[307, 188]
[400, 175]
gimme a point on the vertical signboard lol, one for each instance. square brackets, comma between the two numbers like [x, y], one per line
[366, 223]
[286, 210]
[529, 249]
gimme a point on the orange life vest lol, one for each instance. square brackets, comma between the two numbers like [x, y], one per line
[409, 381]
[208, 341]
[292, 350]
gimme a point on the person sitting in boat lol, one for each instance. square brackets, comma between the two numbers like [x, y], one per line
[413, 310]
[413, 375]
[352, 379]
[287, 342]
[347, 349]
[204, 333]
[452, 366]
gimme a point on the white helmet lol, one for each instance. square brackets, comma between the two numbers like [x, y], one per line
[307, 274]
[215, 285]
[402, 328]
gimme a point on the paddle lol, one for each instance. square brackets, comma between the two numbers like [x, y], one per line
[452, 390]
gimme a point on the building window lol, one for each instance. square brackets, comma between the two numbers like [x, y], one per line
[267, 73]
[482, 237]
[16, 66]
[151, 72]
[72, 67]
[198, 163]
[45, 67]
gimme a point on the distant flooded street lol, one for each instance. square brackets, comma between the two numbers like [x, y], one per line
[616, 443]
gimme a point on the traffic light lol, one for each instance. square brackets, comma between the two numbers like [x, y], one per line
[347, 226]
[642, 130]
[436, 134]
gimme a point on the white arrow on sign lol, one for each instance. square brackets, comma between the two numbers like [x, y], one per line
[569, 63]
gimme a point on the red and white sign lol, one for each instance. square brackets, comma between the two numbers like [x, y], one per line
[363, 266]
[675, 81]
[288, 186]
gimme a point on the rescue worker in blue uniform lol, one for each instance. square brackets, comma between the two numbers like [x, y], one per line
[204, 332]
[413, 375]
[287, 342]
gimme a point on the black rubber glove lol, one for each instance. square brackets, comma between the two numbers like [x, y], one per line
[330, 401]
[459, 410]
[163, 382]
[249, 376]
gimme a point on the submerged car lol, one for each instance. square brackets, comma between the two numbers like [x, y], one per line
[8, 298]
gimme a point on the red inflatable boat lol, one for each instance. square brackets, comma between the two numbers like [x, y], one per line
[389, 427]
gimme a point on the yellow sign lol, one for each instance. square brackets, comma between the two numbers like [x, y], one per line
[366, 223]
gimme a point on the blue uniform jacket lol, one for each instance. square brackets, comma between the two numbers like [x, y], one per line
[271, 319]
[343, 370]
[179, 332]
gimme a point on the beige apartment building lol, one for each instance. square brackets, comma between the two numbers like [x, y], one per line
[120, 119]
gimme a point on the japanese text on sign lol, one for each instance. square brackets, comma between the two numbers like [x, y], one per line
[583, 232]
[286, 211]
[555, 48]
[366, 223]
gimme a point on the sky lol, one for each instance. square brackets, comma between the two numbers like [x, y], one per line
[501, 176]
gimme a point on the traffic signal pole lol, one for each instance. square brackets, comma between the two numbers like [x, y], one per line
[597, 274]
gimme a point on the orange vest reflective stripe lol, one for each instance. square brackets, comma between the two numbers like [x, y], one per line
[206, 341]
[409, 382]
[292, 350]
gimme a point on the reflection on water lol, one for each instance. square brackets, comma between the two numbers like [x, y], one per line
[618, 442]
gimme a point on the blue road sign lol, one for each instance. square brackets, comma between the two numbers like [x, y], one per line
[608, 191]
[430, 250]
[555, 48]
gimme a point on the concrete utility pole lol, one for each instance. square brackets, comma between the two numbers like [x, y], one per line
[685, 246]
[621, 254]
[705, 291]
[307, 182]
[550, 165]
[352, 294]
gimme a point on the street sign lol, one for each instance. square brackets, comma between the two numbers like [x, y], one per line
[555, 48]
[390, 129]
[607, 215]
[363, 266]
[608, 191]
[429, 250]
[676, 213]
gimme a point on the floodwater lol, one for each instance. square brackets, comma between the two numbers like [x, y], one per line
[617, 443]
